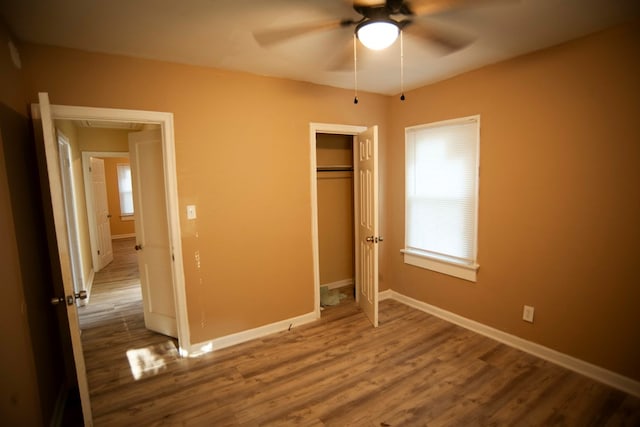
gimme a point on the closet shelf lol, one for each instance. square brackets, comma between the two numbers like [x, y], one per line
[335, 168]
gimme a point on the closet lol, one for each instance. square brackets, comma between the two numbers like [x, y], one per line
[334, 160]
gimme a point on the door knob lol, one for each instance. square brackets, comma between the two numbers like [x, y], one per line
[60, 300]
[372, 239]
[70, 299]
[138, 247]
[57, 300]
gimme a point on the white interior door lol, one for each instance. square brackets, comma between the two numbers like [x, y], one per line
[152, 231]
[101, 213]
[367, 223]
[46, 134]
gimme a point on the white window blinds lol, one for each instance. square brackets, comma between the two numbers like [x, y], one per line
[442, 190]
[125, 189]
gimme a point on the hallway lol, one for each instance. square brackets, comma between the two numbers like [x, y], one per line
[115, 292]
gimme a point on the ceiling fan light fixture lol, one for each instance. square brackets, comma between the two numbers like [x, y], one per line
[377, 34]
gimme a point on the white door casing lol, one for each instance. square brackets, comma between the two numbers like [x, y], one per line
[101, 213]
[153, 246]
[44, 131]
[367, 222]
[356, 131]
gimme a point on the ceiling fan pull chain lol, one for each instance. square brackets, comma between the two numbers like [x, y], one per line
[355, 70]
[401, 66]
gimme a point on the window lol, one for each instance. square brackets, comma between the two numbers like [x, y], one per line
[442, 162]
[125, 189]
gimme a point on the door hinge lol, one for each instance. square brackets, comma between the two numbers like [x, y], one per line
[90, 170]
[173, 257]
[98, 251]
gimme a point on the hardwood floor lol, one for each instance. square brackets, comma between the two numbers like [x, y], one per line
[115, 293]
[415, 369]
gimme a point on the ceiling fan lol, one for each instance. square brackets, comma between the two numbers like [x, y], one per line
[380, 23]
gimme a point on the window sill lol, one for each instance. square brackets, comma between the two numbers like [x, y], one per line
[462, 271]
[126, 218]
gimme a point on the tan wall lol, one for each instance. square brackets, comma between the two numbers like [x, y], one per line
[334, 150]
[19, 396]
[335, 226]
[30, 340]
[12, 92]
[19, 399]
[242, 148]
[559, 207]
[98, 139]
[119, 226]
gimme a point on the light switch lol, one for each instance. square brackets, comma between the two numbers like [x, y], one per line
[191, 211]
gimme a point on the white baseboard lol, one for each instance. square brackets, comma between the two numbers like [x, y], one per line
[251, 334]
[338, 284]
[383, 295]
[122, 236]
[587, 369]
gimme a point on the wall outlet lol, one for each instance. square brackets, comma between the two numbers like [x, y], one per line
[527, 313]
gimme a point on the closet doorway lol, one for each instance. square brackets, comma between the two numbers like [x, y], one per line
[336, 236]
[364, 218]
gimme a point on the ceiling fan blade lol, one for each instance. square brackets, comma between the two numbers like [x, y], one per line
[343, 61]
[273, 36]
[446, 40]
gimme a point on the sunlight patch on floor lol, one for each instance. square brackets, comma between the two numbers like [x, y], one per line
[150, 361]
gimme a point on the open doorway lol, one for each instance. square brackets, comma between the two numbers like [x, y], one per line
[113, 235]
[336, 235]
[102, 191]
[98, 167]
[109, 238]
[161, 149]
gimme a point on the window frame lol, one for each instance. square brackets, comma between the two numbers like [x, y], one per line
[428, 260]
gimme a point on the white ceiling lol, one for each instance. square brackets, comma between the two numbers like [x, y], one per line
[218, 33]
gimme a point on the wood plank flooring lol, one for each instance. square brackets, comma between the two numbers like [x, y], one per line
[415, 369]
[115, 294]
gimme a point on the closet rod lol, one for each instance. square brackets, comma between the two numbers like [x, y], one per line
[341, 168]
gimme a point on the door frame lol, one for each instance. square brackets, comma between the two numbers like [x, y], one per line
[165, 121]
[336, 129]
